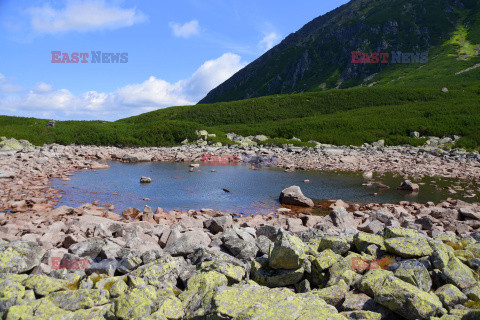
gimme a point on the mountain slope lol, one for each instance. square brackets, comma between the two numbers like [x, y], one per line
[318, 56]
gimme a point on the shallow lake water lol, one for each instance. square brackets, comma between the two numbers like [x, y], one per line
[252, 191]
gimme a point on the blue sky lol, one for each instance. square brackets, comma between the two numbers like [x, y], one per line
[177, 51]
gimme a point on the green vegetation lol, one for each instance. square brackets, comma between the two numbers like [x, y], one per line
[343, 117]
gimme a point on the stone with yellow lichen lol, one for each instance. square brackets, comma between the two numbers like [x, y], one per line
[336, 244]
[135, 303]
[344, 268]
[459, 274]
[325, 260]
[398, 232]
[288, 252]
[197, 297]
[261, 303]
[118, 288]
[10, 293]
[43, 285]
[73, 300]
[399, 296]
[162, 272]
[450, 295]
[408, 247]
[266, 276]
[333, 295]
[362, 240]
[19, 256]
[233, 273]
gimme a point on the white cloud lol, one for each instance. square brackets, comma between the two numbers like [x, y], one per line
[82, 16]
[47, 102]
[186, 30]
[42, 87]
[2, 78]
[269, 41]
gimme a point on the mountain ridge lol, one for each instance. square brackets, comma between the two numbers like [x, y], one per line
[318, 56]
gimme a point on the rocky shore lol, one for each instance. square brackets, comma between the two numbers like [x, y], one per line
[370, 261]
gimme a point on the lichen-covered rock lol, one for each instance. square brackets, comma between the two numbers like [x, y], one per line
[336, 244]
[73, 300]
[267, 276]
[398, 232]
[135, 303]
[441, 254]
[325, 260]
[345, 269]
[162, 272]
[279, 304]
[199, 293]
[363, 240]
[19, 256]
[399, 296]
[118, 288]
[43, 285]
[459, 274]
[10, 293]
[15, 145]
[288, 252]
[333, 295]
[240, 248]
[37, 309]
[233, 273]
[408, 247]
[450, 295]
[413, 272]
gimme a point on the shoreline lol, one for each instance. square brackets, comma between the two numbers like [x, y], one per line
[26, 174]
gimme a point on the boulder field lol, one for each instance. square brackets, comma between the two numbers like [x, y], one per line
[359, 261]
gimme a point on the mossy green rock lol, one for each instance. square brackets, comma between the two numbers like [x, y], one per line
[474, 248]
[233, 273]
[135, 303]
[15, 145]
[43, 285]
[333, 295]
[441, 253]
[398, 232]
[73, 300]
[199, 293]
[450, 295]
[325, 260]
[288, 252]
[260, 303]
[266, 276]
[399, 296]
[336, 244]
[162, 272]
[38, 309]
[118, 288]
[362, 240]
[408, 247]
[413, 272]
[343, 269]
[19, 256]
[459, 274]
[10, 293]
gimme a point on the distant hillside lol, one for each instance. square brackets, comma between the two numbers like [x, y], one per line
[318, 56]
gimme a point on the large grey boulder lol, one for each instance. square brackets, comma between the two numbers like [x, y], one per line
[294, 196]
[188, 243]
[19, 256]
[288, 252]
